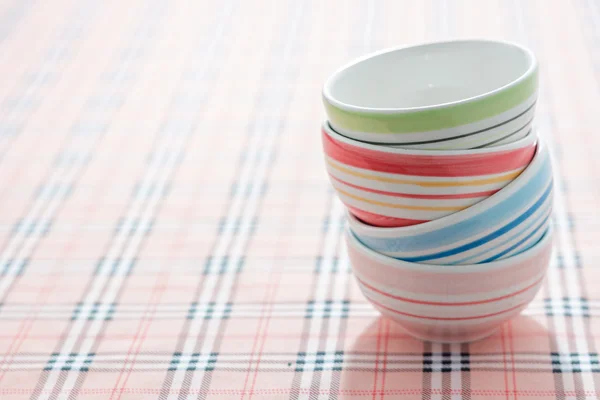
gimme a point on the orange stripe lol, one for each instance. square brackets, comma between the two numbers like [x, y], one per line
[474, 182]
[404, 207]
[470, 195]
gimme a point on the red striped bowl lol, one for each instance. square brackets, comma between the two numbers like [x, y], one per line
[392, 187]
[459, 304]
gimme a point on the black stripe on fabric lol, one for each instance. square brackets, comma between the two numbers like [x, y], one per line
[333, 364]
[68, 141]
[212, 367]
[465, 367]
[584, 13]
[444, 139]
[539, 357]
[330, 222]
[221, 19]
[225, 264]
[447, 370]
[427, 369]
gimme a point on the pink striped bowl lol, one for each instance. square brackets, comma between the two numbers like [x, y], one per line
[392, 187]
[451, 305]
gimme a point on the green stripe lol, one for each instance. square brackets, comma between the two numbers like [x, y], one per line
[432, 120]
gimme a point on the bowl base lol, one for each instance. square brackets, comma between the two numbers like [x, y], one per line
[455, 340]
[448, 332]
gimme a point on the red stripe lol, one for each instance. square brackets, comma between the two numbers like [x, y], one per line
[420, 196]
[448, 318]
[435, 303]
[381, 220]
[428, 165]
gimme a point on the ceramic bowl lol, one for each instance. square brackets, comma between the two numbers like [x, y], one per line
[389, 187]
[458, 94]
[441, 304]
[503, 225]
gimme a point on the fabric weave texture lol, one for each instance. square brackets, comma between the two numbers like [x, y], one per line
[168, 231]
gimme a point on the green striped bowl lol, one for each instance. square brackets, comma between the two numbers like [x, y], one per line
[458, 94]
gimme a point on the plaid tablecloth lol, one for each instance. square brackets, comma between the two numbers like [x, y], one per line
[167, 229]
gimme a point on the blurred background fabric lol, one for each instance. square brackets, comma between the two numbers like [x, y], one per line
[167, 229]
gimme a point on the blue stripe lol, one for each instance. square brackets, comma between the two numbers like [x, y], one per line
[470, 227]
[520, 242]
[483, 240]
[545, 216]
[546, 232]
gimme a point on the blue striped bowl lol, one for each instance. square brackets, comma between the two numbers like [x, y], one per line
[503, 225]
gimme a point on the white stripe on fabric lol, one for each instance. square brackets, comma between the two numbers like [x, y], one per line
[268, 365]
[540, 359]
[566, 241]
[436, 375]
[456, 374]
[340, 284]
[330, 247]
[333, 311]
[58, 185]
[227, 247]
[119, 244]
[355, 310]
[554, 276]
[569, 281]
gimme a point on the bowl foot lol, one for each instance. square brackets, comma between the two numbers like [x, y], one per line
[449, 332]
[463, 338]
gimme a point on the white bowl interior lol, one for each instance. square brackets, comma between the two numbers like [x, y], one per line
[429, 75]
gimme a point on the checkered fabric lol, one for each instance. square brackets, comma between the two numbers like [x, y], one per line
[167, 229]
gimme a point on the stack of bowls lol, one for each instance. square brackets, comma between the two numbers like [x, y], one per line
[434, 152]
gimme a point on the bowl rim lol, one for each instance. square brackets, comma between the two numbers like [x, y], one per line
[354, 242]
[328, 96]
[404, 231]
[526, 141]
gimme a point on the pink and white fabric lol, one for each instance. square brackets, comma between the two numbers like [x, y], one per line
[167, 230]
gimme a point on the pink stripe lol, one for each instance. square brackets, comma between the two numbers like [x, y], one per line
[440, 303]
[438, 283]
[381, 220]
[428, 165]
[420, 196]
[449, 318]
